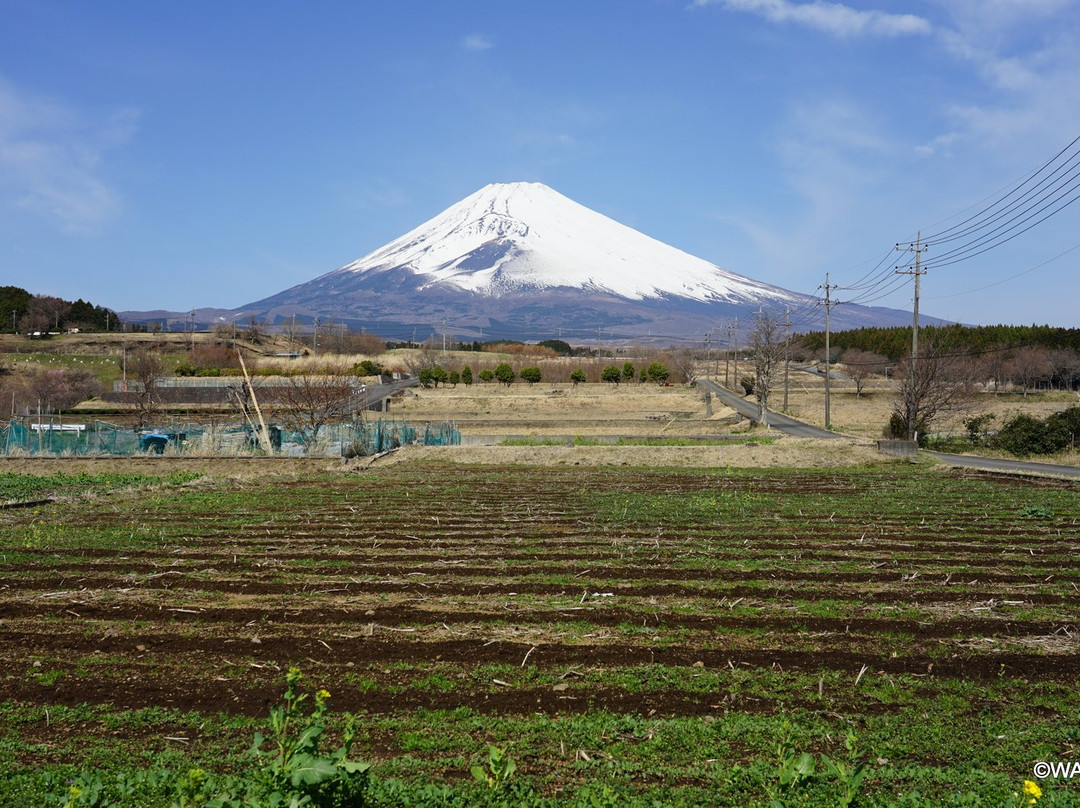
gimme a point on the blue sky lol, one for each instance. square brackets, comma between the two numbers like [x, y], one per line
[191, 154]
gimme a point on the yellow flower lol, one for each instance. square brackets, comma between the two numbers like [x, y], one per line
[1032, 790]
[325, 694]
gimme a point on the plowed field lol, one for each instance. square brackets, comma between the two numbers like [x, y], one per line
[655, 628]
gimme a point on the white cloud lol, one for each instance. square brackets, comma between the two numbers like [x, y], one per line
[830, 18]
[51, 159]
[477, 42]
[1025, 53]
[831, 157]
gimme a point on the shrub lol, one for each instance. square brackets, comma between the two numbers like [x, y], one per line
[430, 377]
[577, 376]
[466, 376]
[628, 371]
[486, 375]
[977, 427]
[530, 374]
[1024, 435]
[657, 372]
[612, 374]
[504, 373]
[747, 384]
[898, 430]
[368, 368]
[453, 378]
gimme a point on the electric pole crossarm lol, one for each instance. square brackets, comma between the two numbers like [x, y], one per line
[909, 405]
[828, 305]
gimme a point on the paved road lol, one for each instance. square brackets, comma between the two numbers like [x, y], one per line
[1006, 466]
[789, 426]
[377, 392]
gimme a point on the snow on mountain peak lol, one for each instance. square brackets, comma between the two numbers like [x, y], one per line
[511, 237]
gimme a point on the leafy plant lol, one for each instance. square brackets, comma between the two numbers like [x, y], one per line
[792, 768]
[293, 764]
[849, 774]
[500, 768]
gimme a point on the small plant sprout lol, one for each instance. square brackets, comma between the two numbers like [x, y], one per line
[500, 768]
[849, 774]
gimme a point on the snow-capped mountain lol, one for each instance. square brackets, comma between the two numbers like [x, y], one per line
[519, 260]
[516, 237]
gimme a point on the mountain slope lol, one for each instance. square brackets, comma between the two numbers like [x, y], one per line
[519, 260]
[517, 237]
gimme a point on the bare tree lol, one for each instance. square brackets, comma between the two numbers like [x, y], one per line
[1029, 366]
[685, 363]
[943, 384]
[256, 332]
[308, 403]
[861, 365]
[425, 358]
[62, 389]
[291, 331]
[362, 343]
[1066, 364]
[767, 342]
[145, 367]
[225, 333]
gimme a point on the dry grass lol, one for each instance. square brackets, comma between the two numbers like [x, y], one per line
[785, 453]
[867, 415]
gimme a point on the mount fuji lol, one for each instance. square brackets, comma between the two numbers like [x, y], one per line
[521, 261]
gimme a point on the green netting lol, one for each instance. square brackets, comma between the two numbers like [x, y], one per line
[97, 437]
[382, 436]
[333, 440]
[373, 437]
[442, 435]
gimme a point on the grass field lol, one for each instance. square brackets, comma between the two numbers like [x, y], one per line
[672, 637]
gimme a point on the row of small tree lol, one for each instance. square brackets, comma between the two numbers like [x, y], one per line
[504, 373]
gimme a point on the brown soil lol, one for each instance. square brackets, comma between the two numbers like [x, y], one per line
[373, 583]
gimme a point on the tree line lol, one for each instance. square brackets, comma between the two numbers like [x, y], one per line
[26, 313]
[895, 342]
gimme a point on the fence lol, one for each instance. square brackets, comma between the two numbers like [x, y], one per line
[28, 436]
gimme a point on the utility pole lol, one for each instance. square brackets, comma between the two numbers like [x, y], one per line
[909, 405]
[719, 350]
[727, 359]
[828, 305]
[735, 333]
[315, 336]
[787, 351]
